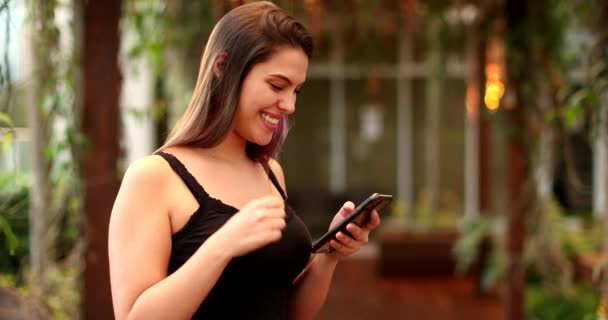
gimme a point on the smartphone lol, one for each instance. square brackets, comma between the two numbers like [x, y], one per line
[359, 216]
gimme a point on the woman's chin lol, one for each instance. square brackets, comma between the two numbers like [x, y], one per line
[262, 141]
[263, 144]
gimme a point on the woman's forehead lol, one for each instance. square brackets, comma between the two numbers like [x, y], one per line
[291, 63]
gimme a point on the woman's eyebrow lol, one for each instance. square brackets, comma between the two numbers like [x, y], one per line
[282, 77]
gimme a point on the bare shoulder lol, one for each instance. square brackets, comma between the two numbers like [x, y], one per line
[147, 170]
[276, 168]
[145, 182]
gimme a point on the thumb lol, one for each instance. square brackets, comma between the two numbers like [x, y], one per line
[347, 208]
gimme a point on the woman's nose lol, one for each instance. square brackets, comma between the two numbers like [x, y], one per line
[288, 104]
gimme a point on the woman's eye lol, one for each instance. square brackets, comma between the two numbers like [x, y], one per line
[275, 87]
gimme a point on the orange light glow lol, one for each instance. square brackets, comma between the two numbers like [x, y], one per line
[494, 87]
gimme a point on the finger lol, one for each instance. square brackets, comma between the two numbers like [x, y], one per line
[277, 224]
[357, 233]
[373, 222]
[336, 244]
[347, 208]
[274, 213]
[341, 247]
[270, 213]
[347, 241]
[272, 202]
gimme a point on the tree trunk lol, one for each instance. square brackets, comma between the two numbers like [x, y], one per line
[551, 261]
[100, 124]
[40, 190]
[180, 75]
[604, 177]
[544, 150]
[515, 229]
[600, 161]
[516, 12]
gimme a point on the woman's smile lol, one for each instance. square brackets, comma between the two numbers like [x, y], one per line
[270, 121]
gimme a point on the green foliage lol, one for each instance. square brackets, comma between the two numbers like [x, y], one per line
[420, 217]
[160, 25]
[468, 245]
[484, 230]
[446, 216]
[14, 232]
[539, 38]
[65, 302]
[581, 238]
[5, 120]
[545, 304]
[63, 278]
[552, 244]
[146, 17]
[586, 62]
[56, 99]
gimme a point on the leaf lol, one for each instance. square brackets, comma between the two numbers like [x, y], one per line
[6, 119]
[11, 239]
[572, 114]
[578, 96]
[593, 98]
[48, 103]
[7, 138]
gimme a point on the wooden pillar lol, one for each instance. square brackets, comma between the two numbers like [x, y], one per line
[516, 14]
[100, 124]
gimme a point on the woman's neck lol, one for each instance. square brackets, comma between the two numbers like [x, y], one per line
[230, 150]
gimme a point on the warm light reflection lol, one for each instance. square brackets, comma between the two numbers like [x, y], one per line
[494, 73]
[494, 87]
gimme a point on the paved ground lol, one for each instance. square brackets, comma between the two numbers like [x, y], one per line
[358, 293]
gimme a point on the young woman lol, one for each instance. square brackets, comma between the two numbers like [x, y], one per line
[201, 229]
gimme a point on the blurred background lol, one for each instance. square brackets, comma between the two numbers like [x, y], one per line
[487, 121]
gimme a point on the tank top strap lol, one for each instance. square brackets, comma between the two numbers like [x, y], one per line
[274, 180]
[189, 180]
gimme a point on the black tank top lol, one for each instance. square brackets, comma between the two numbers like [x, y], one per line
[253, 286]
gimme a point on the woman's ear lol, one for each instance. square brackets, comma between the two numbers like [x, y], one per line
[219, 64]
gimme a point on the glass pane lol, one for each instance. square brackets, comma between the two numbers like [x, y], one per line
[371, 151]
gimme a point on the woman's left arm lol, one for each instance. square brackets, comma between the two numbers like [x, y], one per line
[310, 291]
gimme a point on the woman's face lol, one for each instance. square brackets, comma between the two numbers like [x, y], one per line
[268, 93]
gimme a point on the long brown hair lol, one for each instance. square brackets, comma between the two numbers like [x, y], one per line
[246, 35]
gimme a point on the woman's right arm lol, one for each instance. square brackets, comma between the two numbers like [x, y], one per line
[139, 249]
[140, 246]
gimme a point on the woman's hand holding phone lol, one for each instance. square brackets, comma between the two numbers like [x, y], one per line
[345, 244]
